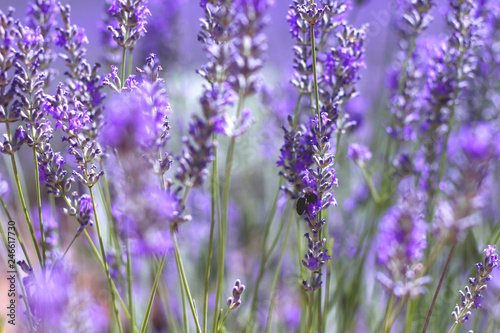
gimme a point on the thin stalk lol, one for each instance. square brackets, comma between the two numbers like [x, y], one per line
[152, 294]
[438, 288]
[17, 234]
[25, 210]
[277, 274]
[388, 311]
[369, 181]
[39, 202]
[106, 268]
[274, 243]
[67, 249]
[296, 111]
[310, 312]
[115, 290]
[263, 260]
[223, 225]
[214, 195]
[183, 298]
[395, 315]
[130, 281]
[171, 321]
[185, 283]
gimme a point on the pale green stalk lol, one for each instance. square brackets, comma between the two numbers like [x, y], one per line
[223, 225]
[23, 203]
[185, 283]
[39, 203]
[103, 253]
[152, 295]
[17, 234]
[214, 202]
[277, 274]
[263, 259]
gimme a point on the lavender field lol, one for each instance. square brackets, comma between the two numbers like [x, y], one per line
[250, 166]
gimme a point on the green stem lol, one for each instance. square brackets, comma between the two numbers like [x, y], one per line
[39, 201]
[277, 273]
[388, 311]
[427, 320]
[178, 258]
[17, 234]
[152, 295]
[106, 268]
[130, 283]
[223, 225]
[183, 297]
[25, 209]
[115, 290]
[263, 260]
[369, 181]
[214, 206]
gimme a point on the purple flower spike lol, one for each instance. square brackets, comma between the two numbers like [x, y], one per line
[359, 154]
[472, 297]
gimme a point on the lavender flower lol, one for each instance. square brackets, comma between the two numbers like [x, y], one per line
[471, 297]
[401, 241]
[131, 18]
[471, 153]
[359, 154]
[234, 302]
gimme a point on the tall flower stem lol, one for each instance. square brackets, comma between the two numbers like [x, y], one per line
[223, 224]
[106, 268]
[130, 283]
[39, 202]
[113, 286]
[17, 234]
[178, 259]
[214, 202]
[277, 273]
[424, 329]
[263, 260]
[152, 295]
[23, 203]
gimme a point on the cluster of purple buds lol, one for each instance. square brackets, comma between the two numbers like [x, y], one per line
[359, 154]
[401, 241]
[234, 302]
[131, 19]
[318, 180]
[139, 114]
[471, 153]
[471, 297]
[409, 69]
[83, 84]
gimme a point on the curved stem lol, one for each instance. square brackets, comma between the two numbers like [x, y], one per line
[438, 288]
[152, 295]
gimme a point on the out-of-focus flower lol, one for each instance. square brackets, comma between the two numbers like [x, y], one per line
[359, 154]
[401, 241]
